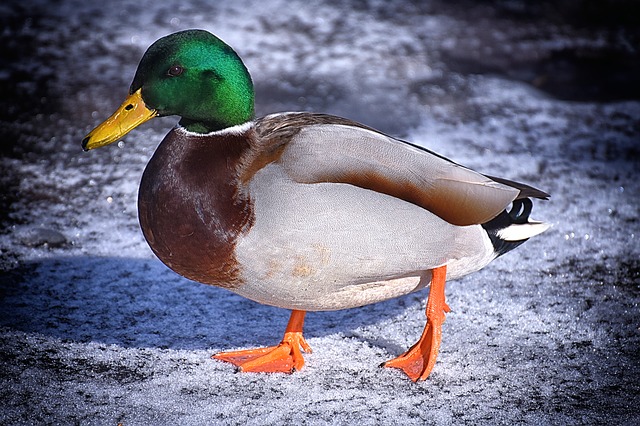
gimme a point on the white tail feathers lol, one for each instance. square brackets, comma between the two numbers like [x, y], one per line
[522, 231]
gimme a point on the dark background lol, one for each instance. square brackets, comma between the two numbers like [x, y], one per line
[95, 330]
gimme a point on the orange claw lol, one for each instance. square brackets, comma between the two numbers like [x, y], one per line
[284, 358]
[419, 360]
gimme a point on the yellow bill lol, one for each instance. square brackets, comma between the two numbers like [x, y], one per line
[132, 113]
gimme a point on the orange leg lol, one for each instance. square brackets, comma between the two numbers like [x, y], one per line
[419, 360]
[284, 358]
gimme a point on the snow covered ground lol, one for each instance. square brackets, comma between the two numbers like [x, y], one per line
[95, 330]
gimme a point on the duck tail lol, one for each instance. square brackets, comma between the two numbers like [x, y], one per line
[513, 227]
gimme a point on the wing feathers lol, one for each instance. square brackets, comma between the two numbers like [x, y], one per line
[321, 148]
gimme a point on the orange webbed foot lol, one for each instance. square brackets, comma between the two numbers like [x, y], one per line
[284, 358]
[419, 360]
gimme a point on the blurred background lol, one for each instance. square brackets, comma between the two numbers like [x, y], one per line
[544, 92]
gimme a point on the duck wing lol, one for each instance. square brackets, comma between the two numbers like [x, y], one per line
[315, 148]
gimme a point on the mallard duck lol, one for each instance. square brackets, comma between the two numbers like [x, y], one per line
[303, 211]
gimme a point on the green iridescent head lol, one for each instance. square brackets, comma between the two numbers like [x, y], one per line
[197, 76]
[192, 74]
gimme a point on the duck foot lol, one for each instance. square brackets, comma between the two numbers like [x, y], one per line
[419, 360]
[284, 358]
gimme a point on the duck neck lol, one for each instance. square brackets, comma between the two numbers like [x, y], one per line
[227, 110]
[203, 127]
[229, 103]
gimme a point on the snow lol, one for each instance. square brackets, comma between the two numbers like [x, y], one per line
[95, 330]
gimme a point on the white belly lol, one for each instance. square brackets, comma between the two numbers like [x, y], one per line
[333, 246]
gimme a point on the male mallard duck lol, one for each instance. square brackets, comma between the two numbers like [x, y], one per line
[307, 212]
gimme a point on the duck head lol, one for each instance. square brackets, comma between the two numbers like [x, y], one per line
[192, 74]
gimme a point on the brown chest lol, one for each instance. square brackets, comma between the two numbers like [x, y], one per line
[191, 208]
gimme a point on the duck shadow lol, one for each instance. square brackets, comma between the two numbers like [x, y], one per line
[140, 303]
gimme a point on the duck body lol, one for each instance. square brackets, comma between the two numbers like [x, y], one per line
[303, 211]
[258, 218]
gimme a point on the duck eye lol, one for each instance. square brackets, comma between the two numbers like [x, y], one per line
[175, 71]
